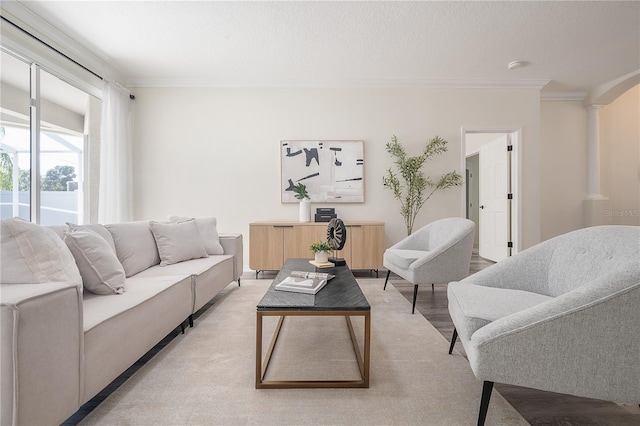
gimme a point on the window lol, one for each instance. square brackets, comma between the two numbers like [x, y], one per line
[45, 135]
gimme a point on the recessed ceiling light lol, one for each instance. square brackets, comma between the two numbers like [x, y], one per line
[515, 64]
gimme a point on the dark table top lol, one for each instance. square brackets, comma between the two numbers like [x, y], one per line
[341, 293]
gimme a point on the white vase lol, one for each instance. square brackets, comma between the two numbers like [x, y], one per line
[322, 257]
[305, 210]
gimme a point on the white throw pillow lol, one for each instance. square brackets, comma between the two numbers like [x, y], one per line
[30, 253]
[207, 226]
[99, 266]
[177, 241]
[135, 246]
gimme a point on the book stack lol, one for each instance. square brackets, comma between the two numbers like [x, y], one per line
[304, 282]
[325, 214]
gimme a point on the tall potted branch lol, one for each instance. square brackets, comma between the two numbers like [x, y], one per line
[415, 188]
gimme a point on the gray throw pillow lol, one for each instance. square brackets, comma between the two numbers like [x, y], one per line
[98, 229]
[207, 227]
[177, 241]
[99, 266]
[135, 246]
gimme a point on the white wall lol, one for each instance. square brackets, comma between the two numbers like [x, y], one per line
[620, 158]
[215, 151]
[563, 179]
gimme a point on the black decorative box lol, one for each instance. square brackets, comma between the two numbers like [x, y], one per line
[326, 210]
[324, 217]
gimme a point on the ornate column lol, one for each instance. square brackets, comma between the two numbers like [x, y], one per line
[595, 203]
[593, 152]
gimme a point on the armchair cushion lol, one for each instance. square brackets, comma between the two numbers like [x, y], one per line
[404, 258]
[476, 306]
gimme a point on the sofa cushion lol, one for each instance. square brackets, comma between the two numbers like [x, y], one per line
[207, 226]
[193, 267]
[473, 306]
[30, 253]
[135, 246]
[99, 266]
[177, 241]
[98, 229]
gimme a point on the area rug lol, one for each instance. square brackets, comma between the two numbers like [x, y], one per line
[207, 376]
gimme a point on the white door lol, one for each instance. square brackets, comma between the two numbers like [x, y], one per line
[494, 204]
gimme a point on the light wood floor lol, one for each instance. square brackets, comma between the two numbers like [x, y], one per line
[537, 407]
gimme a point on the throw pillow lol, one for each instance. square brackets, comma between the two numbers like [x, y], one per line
[99, 266]
[30, 253]
[208, 232]
[135, 246]
[177, 241]
[98, 229]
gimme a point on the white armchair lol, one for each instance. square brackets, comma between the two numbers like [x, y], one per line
[562, 316]
[439, 252]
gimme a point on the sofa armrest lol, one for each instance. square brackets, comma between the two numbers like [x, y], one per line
[232, 245]
[42, 346]
[585, 342]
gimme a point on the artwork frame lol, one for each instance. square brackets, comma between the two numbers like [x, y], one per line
[332, 170]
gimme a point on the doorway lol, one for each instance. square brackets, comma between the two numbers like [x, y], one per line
[492, 193]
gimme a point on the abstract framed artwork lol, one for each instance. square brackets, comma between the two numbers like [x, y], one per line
[332, 171]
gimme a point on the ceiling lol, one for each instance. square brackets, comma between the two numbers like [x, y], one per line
[565, 46]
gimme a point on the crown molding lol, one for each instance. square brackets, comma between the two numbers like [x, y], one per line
[567, 95]
[345, 83]
[22, 16]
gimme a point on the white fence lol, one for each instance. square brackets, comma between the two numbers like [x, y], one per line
[56, 207]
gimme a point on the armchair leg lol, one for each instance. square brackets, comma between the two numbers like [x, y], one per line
[415, 295]
[453, 340]
[487, 387]
[432, 287]
[386, 279]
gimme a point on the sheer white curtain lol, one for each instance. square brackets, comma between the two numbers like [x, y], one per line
[116, 188]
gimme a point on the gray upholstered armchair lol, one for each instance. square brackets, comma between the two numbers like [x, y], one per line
[562, 316]
[436, 253]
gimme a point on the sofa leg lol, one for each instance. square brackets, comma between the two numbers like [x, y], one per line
[453, 340]
[415, 296]
[191, 321]
[238, 282]
[386, 279]
[182, 327]
[487, 387]
[432, 287]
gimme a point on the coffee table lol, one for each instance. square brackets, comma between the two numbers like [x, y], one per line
[342, 296]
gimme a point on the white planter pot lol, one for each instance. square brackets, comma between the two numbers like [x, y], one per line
[322, 257]
[305, 210]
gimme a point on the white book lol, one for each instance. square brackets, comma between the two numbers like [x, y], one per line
[304, 282]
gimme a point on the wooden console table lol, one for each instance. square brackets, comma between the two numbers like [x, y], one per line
[272, 243]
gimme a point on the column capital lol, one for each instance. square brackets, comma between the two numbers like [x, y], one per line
[594, 107]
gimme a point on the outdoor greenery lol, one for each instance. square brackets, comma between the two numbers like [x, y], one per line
[319, 246]
[301, 191]
[6, 172]
[54, 179]
[410, 185]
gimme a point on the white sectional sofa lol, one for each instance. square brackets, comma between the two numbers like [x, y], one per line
[63, 343]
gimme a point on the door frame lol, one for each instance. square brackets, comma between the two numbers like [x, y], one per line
[516, 176]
